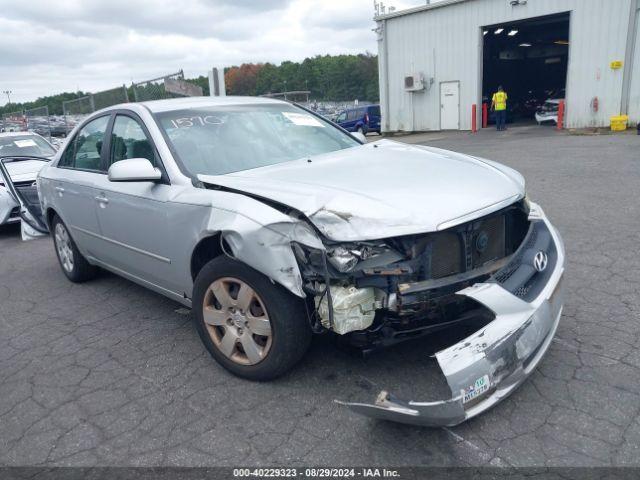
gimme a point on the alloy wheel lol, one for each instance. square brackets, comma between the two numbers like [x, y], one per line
[63, 246]
[237, 321]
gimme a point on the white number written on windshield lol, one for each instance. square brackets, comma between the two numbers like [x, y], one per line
[188, 122]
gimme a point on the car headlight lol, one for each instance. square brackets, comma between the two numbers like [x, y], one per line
[346, 257]
[342, 259]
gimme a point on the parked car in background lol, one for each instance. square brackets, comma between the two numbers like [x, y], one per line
[273, 224]
[30, 152]
[548, 112]
[363, 119]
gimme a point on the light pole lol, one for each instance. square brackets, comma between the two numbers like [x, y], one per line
[8, 94]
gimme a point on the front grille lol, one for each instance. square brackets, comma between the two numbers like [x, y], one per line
[465, 247]
[488, 241]
[519, 276]
[446, 255]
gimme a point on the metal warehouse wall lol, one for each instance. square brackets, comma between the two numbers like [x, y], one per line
[634, 96]
[446, 43]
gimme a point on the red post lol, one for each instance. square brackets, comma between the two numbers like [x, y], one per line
[561, 115]
[474, 126]
[485, 115]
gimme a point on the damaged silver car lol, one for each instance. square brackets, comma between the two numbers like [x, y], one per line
[274, 224]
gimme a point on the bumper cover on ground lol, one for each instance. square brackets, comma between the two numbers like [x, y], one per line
[487, 366]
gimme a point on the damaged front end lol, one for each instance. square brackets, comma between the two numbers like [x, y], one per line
[499, 274]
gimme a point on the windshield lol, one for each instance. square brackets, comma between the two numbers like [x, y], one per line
[226, 139]
[25, 145]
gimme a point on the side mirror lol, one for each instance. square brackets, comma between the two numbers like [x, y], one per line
[359, 136]
[134, 170]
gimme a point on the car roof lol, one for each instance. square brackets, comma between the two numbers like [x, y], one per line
[197, 102]
[16, 134]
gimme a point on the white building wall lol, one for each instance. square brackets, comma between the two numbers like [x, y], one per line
[445, 42]
[634, 92]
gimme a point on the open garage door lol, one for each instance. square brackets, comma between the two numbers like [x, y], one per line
[529, 59]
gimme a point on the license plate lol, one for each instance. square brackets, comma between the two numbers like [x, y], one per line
[479, 387]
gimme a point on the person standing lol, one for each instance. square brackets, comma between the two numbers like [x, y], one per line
[499, 105]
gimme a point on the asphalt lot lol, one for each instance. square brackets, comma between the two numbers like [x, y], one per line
[108, 373]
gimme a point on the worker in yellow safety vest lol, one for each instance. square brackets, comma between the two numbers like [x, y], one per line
[499, 104]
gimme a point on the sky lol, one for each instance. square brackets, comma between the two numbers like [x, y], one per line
[48, 47]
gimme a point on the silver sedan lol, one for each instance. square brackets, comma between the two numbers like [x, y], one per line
[272, 223]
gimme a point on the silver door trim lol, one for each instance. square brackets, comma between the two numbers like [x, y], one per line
[120, 244]
[183, 299]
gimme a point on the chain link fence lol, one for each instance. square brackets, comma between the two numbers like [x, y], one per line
[78, 108]
[38, 121]
[14, 122]
[74, 111]
[168, 86]
[106, 98]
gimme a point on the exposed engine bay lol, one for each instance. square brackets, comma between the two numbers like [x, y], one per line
[390, 290]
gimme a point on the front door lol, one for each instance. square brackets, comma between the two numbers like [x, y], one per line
[74, 181]
[133, 216]
[450, 106]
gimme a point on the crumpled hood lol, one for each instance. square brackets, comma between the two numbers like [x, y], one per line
[24, 170]
[382, 189]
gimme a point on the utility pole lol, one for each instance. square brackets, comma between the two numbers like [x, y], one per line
[8, 94]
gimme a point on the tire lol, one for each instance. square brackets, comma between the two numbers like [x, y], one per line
[361, 130]
[73, 264]
[240, 304]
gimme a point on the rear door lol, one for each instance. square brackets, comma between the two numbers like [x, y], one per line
[133, 216]
[81, 167]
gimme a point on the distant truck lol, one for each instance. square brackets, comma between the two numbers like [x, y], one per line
[363, 119]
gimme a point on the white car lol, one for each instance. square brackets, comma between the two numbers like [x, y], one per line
[548, 112]
[274, 224]
[24, 153]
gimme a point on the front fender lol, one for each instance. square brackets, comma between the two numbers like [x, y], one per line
[261, 236]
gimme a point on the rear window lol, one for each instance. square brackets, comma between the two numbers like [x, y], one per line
[375, 110]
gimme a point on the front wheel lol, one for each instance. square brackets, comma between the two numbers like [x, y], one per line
[251, 326]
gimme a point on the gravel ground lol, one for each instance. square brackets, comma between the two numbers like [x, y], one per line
[108, 373]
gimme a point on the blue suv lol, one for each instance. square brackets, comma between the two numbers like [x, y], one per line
[363, 119]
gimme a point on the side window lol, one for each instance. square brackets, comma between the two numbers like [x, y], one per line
[128, 140]
[352, 115]
[375, 111]
[341, 118]
[84, 151]
[66, 160]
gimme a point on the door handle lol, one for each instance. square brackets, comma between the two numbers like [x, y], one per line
[60, 189]
[102, 199]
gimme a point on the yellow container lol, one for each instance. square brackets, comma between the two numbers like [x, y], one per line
[619, 123]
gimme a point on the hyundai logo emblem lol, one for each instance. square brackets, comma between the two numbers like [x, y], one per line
[540, 261]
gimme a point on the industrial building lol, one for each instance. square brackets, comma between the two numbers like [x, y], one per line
[437, 60]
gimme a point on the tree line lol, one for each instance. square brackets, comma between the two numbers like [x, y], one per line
[327, 77]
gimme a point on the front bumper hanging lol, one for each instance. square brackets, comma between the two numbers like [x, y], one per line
[489, 365]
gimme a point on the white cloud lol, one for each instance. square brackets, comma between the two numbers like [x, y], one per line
[48, 47]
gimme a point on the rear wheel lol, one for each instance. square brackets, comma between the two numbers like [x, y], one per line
[252, 327]
[361, 130]
[73, 264]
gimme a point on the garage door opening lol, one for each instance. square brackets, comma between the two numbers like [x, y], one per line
[529, 59]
